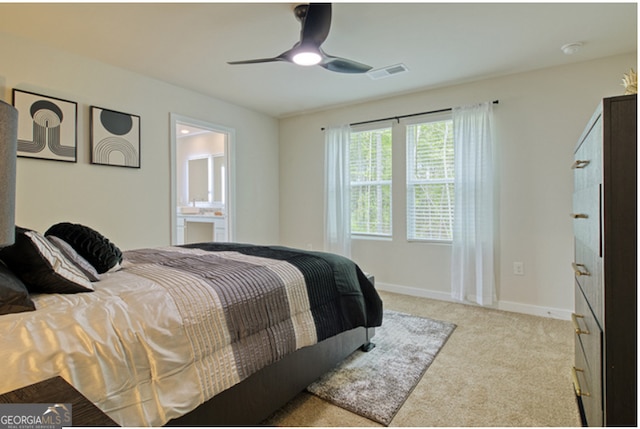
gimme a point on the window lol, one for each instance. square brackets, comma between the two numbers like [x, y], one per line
[370, 177]
[430, 174]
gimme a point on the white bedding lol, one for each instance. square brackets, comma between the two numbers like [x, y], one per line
[143, 352]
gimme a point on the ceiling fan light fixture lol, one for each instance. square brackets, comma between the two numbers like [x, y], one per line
[306, 58]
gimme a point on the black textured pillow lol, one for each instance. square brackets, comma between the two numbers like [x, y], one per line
[14, 296]
[90, 244]
[41, 266]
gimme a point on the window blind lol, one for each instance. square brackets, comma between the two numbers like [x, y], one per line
[370, 177]
[430, 180]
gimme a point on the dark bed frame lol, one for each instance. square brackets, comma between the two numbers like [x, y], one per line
[260, 395]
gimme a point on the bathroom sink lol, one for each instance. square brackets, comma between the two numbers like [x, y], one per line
[190, 210]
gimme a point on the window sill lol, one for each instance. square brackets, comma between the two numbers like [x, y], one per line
[371, 237]
[443, 242]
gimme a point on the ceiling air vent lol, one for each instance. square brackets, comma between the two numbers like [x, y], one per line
[387, 71]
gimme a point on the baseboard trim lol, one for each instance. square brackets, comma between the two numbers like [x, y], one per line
[515, 307]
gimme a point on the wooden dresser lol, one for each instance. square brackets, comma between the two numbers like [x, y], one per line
[605, 266]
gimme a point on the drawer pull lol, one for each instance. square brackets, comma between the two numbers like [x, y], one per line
[579, 215]
[576, 382]
[576, 325]
[580, 270]
[580, 164]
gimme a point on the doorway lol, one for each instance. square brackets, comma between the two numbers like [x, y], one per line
[202, 181]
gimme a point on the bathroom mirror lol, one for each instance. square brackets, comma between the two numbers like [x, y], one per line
[219, 176]
[206, 177]
[200, 179]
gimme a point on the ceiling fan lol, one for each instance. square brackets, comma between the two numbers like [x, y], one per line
[315, 19]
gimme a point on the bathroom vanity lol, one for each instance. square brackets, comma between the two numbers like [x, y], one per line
[200, 227]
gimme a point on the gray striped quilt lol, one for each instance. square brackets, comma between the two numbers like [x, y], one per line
[268, 302]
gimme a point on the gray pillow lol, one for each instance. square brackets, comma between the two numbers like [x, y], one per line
[73, 256]
[14, 296]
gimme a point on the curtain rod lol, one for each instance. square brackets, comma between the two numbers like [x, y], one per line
[397, 118]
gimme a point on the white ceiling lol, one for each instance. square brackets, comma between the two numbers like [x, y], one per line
[188, 44]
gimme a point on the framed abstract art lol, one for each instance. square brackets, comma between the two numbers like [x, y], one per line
[47, 126]
[115, 138]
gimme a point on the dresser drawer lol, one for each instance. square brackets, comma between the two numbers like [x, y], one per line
[587, 371]
[586, 216]
[588, 332]
[587, 165]
[588, 275]
[590, 397]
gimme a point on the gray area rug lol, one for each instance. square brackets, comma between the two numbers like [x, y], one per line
[375, 384]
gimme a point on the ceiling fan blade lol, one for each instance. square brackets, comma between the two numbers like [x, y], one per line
[343, 65]
[316, 24]
[256, 61]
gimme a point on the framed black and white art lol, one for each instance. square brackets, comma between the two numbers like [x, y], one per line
[46, 126]
[115, 138]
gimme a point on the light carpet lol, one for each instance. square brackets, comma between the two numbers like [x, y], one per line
[375, 384]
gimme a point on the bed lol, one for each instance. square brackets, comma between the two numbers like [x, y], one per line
[205, 334]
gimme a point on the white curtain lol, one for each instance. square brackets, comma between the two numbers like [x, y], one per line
[472, 265]
[337, 213]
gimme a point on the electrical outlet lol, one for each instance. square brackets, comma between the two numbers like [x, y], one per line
[518, 268]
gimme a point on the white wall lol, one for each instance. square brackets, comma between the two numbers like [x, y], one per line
[539, 119]
[132, 206]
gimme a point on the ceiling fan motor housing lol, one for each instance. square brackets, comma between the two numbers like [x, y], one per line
[315, 21]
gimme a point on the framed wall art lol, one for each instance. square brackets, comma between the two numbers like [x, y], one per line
[115, 138]
[47, 126]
